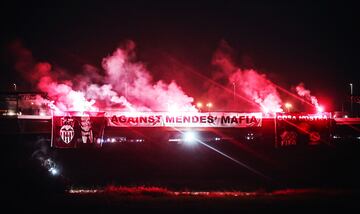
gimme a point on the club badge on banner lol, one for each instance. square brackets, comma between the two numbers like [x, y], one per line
[74, 130]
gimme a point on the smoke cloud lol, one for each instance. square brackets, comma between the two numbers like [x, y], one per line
[247, 86]
[305, 93]
[125, 85]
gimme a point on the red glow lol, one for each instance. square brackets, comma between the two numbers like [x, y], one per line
[247, 83]
[126, 85]
[320, 109]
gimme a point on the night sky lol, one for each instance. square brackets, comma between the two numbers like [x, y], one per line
[315, 43]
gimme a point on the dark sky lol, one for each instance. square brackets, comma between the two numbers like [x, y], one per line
[311, 42]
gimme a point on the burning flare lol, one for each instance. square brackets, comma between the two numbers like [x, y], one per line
[127, 85]
[300, 89]
[247, 84]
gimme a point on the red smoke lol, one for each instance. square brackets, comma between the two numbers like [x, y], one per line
[126, 85]
[249, 85]
[137, 85]
[258, 88]
[300, 89]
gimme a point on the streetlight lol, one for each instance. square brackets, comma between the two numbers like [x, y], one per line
[199, 105]
[288, 106]
[209, 105]
[351, 98]
[234, 91]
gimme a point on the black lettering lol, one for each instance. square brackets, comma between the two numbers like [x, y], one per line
[225, 119]
[210, 119]
[158, 118]
[170, 119]
[143, 119]
[241, 118]
[114, 119]
[234, 120]
[151, 119]
[187, 119]
[253, 119]
[122, 119]
[178, 119]
[195, 119]
[133, 119]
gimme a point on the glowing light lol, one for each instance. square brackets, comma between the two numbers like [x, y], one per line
[199, 105]
[209, 105]
[54, 171]
[320, 109]
[174, 140]
[11, 113]
[250, 136]
[189, 138]
[288, 106]
[265, 110]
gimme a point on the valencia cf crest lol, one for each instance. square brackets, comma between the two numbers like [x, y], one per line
[67, 129]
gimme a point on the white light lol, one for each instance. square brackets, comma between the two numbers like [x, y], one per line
[320, 109]
[54, 171]
[288, 106]
[265, 110]
[11, 113]
[174, 140]
[113, 140]
[189, 138]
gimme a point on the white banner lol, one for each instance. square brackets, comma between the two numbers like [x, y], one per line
[184, 119]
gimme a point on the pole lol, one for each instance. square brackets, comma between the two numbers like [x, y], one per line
[351, 99]
[275, 131]
[234, 93]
